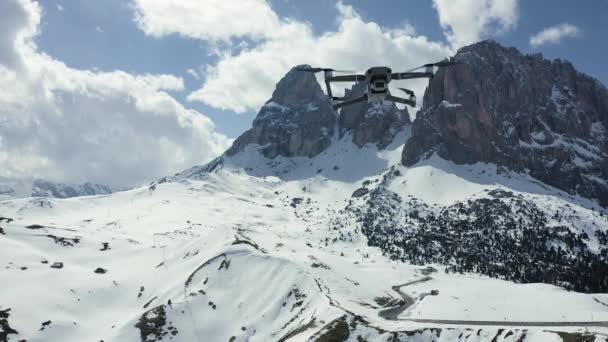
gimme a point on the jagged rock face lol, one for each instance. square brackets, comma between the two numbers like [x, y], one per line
[297, 121]
[519, 111]
[375, 124]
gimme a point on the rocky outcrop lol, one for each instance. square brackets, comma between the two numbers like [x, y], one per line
[376, 124]
[19, 188]
[519, 111]
[298, 120]
[43, 188]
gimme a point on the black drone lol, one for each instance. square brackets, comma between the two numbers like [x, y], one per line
[377, 80]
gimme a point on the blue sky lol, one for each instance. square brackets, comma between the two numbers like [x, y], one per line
[71, 35]
[121, 92]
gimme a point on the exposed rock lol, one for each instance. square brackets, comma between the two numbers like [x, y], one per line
[523, 112]
[360, 192]
[57, 265]
[298, 120]
[5, 328]
[100, 270]
[376, 124]
[153, 325]
[43, 188]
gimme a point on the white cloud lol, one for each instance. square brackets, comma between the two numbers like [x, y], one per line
[59, 7]
[554, 34]
[206, 19]
[467, 21]
[70, 125]
[244, 80]
[193, 73]
[98, 29]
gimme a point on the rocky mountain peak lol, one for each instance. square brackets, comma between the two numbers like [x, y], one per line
[297, 88]
[298, 120]
[371, 123]
[523, 112]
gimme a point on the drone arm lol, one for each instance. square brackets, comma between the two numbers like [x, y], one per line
[342, 78]
[328, 85]
[346, 78]
[410, 75]
[401, 100]
[351, 101]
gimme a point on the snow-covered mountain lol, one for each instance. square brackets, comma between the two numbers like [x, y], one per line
[18, 188]
[311, 228]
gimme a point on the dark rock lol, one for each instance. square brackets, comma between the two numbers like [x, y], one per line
[153, 325]
[5, 328]
[45, 324]
[376, 124]
[2, 231]
[296, 201]
[497, 193]
[105, 246]
[298, 120]
[68, 242]
[34, 226]
[360, 192]
[519, 111]
[100, 270]
[57, 265]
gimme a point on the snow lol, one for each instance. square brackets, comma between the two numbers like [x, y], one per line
[448, 104]
[259, 255]
[461, 296]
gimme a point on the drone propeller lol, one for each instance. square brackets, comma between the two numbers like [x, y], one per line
[315, 70]
[407, 91]
[438, 64]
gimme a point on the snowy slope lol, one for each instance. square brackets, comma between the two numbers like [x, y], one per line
[272, 250]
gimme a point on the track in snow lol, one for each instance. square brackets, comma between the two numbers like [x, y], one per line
[602, 324]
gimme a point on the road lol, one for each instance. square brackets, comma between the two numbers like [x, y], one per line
[602, 324]
[394, 312]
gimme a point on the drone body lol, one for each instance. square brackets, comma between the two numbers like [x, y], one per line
[377, 80]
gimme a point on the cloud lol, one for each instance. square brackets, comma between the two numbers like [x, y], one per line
[70, 125]
[554, 34]
[208, 19]
[193, 73]
[243, 80]
[467, 21]
[59, 7]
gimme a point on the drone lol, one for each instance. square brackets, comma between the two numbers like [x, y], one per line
[377, 80]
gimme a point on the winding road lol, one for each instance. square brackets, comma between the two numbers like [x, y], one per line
[394, 312]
